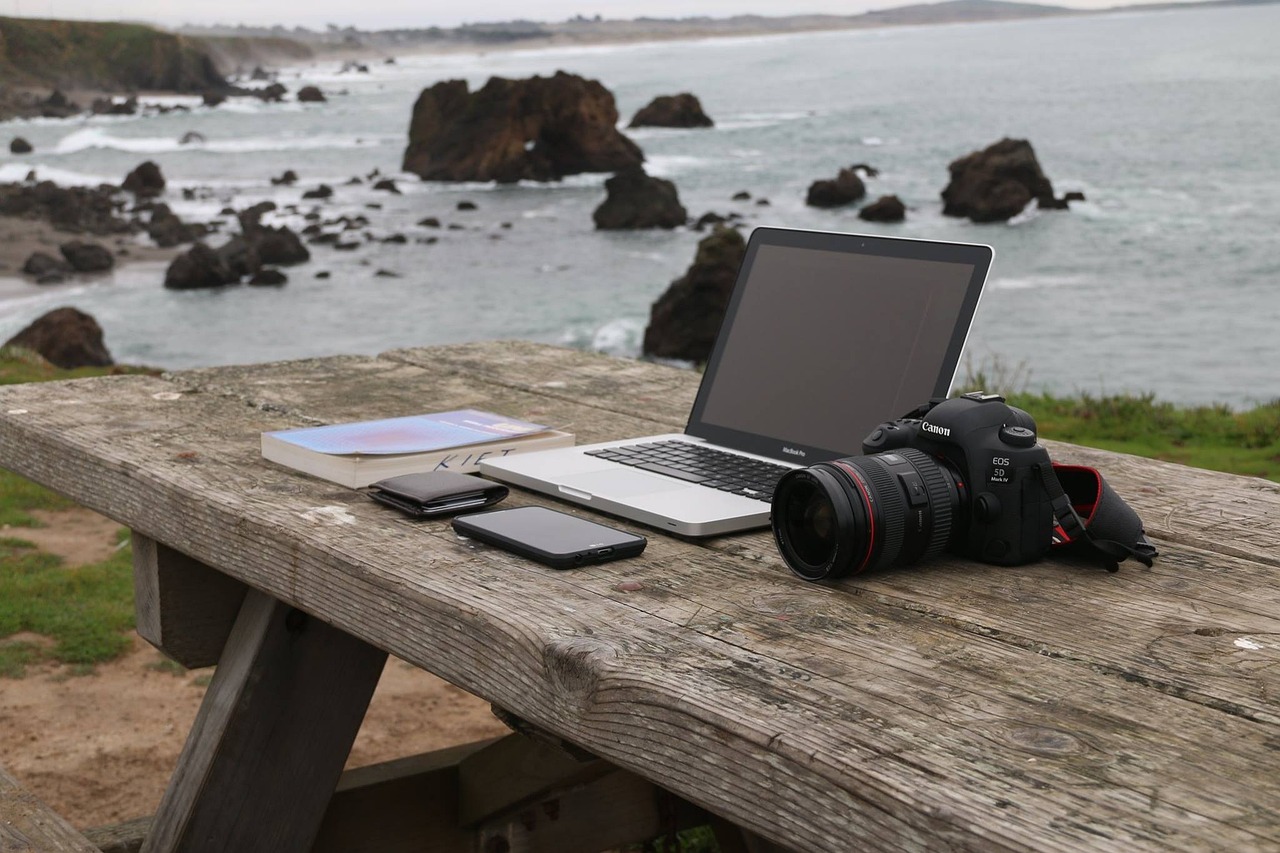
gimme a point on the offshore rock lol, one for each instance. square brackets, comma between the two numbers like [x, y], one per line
[87, 257]
[683, 110]
[996, 183]
[683, 323]
[887, 208]
[539, 129]
[67, 208]
[18, 145]
[845, 189]
[311, 95]
[196, 268]
[637, 200]
[144, 181]
[277, 245]
[167, 229]
[65, 337]
[41, 264]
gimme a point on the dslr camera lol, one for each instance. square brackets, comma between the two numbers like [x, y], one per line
[963, 475]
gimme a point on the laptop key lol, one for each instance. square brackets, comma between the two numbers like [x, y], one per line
[671, 472]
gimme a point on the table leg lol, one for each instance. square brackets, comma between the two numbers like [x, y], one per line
[270, 740]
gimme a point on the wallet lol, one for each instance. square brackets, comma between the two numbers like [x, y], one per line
[436, 493]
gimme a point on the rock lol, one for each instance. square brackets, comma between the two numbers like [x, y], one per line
[287, 179]
[685, 320]
[58, 105]
[1074, 195]
[277, 245]
[40, 264]
[637, 200]
[395, 239]
[65, 337]
[112, 107]
[845, 189]
[763, 202]
[240, 258]
[467, 205]
[709, 218]
[51, 278]
[18, 145]
[259, 73]
[429, 222]
[191, 137]
[144, 181]
[996, 183]
[354, 181]
[198, 267]
[351, 65]
[273, 94]
[457, 226]
[681, 110]
[323, 274]
[540, 129]
[78, 209]
[87, 257]
[386, 274]
[269, 276]
[213, 99]
[322, 191]
[311, 95]
[387, 185]
[251, 217]
[742, 195]
[887, 208]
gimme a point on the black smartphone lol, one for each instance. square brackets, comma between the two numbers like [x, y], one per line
[549, 536]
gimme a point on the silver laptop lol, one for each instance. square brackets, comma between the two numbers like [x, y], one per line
[826, 336]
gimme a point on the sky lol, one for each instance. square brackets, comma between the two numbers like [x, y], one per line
[381, 14]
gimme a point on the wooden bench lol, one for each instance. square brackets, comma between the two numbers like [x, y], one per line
[1042, 707]
[29, 826]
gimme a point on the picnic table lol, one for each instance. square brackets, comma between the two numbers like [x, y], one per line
[951, 705]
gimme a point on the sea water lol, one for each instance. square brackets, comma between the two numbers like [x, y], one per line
[1165, 280]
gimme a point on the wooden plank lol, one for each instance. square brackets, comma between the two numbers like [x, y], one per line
[126, 837]
[409, 805]
[817, 716]
[514, 771]
[29, 826]
[183, 608]
[268, 745]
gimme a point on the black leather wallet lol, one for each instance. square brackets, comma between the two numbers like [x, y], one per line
[436, 493]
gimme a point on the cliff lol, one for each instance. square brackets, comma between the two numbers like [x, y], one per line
[102, 56]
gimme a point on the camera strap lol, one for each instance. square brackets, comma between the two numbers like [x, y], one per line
[1092, 518]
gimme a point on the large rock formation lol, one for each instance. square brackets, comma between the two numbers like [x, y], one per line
[144, 181]
[196, 268]
[683, 323]
[538, 129]
[996, 183]
[845, 189]
[637, 200]
[683, 110]
[67, 208]
[65, 337]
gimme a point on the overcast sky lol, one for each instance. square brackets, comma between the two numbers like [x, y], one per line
[377, 14]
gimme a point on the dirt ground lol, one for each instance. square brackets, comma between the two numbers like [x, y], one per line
[99, 748]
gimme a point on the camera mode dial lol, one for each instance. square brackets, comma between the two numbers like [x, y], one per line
[1017, 436]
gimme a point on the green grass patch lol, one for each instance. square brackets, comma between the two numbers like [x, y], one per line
[85, 611]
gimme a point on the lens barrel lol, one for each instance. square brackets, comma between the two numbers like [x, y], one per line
[866, 512]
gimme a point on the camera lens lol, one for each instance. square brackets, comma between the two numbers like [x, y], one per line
[866, 512]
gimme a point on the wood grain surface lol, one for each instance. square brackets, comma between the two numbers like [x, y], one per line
[959, 705]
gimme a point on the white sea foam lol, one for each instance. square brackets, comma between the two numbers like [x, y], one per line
[90, 138]
[11, 172]
[1036, 282]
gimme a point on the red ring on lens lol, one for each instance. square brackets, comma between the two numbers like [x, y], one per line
[871, 516]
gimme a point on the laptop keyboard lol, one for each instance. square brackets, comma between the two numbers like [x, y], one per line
[695, 463]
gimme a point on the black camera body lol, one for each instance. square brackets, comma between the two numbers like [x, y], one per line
[963, 475]
[992, 447]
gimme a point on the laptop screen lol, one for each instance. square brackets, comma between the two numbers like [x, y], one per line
[828, 335]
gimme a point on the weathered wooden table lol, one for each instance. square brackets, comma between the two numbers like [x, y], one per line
[954, 705]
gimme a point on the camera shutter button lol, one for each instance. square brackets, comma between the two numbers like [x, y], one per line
[1016, 436]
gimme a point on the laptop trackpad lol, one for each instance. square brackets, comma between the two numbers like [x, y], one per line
[621, 483]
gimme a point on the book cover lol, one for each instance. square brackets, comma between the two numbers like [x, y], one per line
[357, 454]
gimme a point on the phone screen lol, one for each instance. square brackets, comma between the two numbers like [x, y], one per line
[550, 536]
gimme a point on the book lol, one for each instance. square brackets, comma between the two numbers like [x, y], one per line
[357, 454]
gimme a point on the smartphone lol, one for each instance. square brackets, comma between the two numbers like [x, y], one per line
[549, 536]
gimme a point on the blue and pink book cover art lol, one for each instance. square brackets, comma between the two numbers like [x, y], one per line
[413, 434]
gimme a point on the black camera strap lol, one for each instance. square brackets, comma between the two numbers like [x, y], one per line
[1092, 518]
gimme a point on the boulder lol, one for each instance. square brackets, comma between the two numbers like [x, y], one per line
[638, 200]
[87, 257]
[58, 105]
[845, 189]
[80, 209]
[322, 191]
[269, 276]
[65, 337]
[685, 320]
[251, 217]
[271, 94]
[191, 137]
[240, 258]
[539, 129]
[278, 245]
[41, 264]
[709, 218]
[742, 195]
[287, 179]
[887, 208]
[683, 110]
[429, 222]
[259, 73]
[311, 95]
[18, 145]
[996, 183]
[213, 99]
[166, 229]
[198, 267]
[387, 185]
[144, 181]
[112, 107]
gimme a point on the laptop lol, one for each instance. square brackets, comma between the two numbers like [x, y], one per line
[826, 336]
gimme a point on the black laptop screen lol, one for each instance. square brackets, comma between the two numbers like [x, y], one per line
[822, 344]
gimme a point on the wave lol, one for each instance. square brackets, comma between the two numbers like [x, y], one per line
[14, 172]
[92, 138]
[1037, 282]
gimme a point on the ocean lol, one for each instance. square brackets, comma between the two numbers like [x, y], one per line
[1166, 280]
